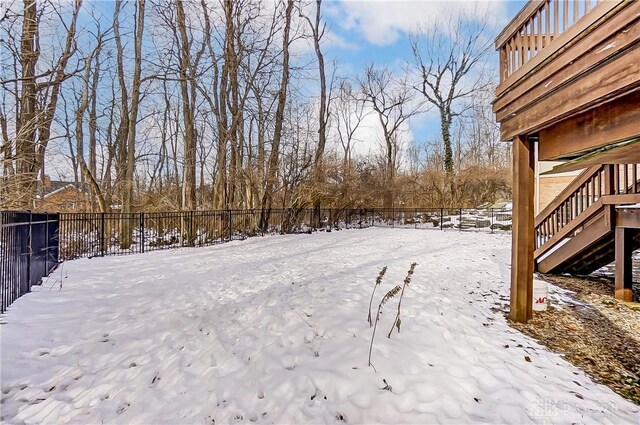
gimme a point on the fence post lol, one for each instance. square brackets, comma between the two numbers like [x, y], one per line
[46, 246]
[142, 232]
[230, 228]
[393, 217]
[460, 218]
[192, 238]
[30, 248]
[415, 214]
[491, 226]
[102, 239]
[441, 217]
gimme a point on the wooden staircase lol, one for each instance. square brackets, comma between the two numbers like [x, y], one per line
[576, 233]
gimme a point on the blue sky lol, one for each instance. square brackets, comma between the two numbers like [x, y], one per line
[384, 40]
[361, 32]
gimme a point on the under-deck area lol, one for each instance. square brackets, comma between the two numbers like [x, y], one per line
[570, 91]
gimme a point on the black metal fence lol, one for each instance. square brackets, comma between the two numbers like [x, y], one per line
[102, 234]
[28, 252]
[31, 244]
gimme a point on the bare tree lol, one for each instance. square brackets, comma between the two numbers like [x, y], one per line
[450, 65]
[246, 36]
[88, 173]
[36, 98]
[272, 171]
[187, 76]
[126, 134]
[318, 28]
[393, 101]
[349, 112]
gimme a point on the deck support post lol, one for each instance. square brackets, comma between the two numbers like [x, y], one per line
[623, 271]
[523, 229]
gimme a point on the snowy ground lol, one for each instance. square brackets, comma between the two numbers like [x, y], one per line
[274, 330]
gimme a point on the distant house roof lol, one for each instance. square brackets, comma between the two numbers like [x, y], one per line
[55, 186]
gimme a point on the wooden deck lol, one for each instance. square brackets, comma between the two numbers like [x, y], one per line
[569, 68]
[569, 86]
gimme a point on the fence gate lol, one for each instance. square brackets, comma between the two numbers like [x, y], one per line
[28, 252]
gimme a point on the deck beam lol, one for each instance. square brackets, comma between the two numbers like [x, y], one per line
[602, 126]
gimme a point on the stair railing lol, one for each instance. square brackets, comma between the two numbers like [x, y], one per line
[583, 198]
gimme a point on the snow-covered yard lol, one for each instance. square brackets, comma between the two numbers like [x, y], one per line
[274, 330]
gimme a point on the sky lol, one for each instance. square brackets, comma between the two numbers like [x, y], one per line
[362, 32]
[373, 30]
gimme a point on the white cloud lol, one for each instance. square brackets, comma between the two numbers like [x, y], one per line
[368, 138]
[383, 22]
[331, 39]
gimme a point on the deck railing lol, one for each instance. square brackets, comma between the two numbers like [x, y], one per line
[537, 25]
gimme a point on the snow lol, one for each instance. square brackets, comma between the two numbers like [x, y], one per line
[274, 330]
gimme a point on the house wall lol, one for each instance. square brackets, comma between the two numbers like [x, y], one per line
[550, 186]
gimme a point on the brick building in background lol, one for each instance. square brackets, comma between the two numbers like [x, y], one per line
[62, 196]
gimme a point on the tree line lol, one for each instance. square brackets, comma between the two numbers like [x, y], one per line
[187, 105]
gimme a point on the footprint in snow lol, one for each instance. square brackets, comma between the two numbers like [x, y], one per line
[36, 401]
[122, 408]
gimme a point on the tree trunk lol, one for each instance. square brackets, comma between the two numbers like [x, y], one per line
[189, 137]
[129, 159]
[89, 178]
[26, 125]
[318, 172]
[272, 172]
